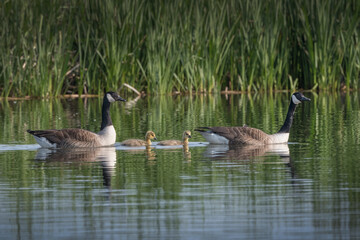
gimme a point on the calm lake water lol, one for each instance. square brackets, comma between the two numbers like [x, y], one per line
[307, 189]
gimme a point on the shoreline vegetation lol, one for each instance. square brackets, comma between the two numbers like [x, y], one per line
[62, 48]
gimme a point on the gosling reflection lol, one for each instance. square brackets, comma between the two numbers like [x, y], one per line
[105, 155]
[246, 153]
[186, 152]
[148, 151]
[150, 154]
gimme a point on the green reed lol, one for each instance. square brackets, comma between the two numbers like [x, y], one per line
[53, 48]
[322, 29]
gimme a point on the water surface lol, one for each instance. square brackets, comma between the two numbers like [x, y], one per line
[307, 189]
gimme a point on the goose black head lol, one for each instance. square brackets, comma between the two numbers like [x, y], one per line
[113, 96]
[298, 97]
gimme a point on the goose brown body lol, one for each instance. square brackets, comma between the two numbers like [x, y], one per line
[71, 137]
[241, 135]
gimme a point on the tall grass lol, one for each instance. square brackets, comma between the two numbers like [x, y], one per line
[50, 48]
[326, 33]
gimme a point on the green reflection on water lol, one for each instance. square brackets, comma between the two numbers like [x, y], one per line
[329, 124]
[151, 186]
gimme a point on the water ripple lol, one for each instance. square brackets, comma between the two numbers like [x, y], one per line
[15, 147]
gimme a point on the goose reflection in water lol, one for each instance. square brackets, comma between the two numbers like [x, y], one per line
[247, 153]
[105, 155]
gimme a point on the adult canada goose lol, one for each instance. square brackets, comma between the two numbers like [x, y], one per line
[138, 142]
[76, 137]
[253, 136]
[185, 140]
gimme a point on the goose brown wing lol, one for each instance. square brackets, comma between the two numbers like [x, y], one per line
[68, 135]
[242, 135]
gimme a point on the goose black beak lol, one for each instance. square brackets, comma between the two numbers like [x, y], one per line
[155, 138]
[120, 99]
[303, 98]
[189, 136]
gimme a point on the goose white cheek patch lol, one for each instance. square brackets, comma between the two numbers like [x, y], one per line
[110, 98]
[295, 100]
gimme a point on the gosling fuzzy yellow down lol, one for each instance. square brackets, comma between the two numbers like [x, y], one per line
[185, 140]
[150, 135]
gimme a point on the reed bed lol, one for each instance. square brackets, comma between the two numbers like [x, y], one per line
[49, 48]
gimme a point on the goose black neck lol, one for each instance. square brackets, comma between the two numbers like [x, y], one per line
[106, 119]
[289, 119]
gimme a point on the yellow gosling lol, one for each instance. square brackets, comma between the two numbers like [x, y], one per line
[185, 140]
[150, 135]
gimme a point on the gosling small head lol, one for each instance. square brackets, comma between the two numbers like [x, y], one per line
[150, 135]
[187, 134]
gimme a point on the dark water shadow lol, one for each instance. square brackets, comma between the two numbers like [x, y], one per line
[106, 156]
